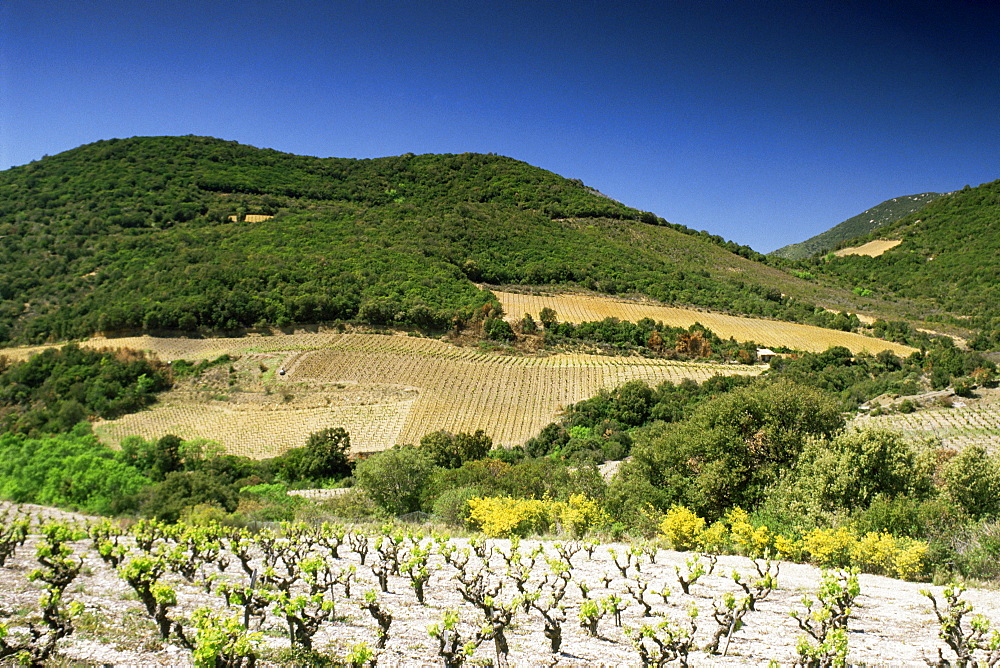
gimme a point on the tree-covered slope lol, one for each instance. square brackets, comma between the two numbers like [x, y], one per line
[949, 259]
[154, 233]
[874, 218]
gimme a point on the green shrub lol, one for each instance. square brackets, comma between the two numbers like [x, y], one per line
[180, 490]
[352, 504]
[450, 451]
[395, 478]
[452, 506]
[972, 482]
[979, 556]
[735, 446]
[68, 470]
[906, 516]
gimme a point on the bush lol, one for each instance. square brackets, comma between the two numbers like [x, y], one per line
[352, 504]
[578, 515]
[963, 386]
[503, 517]
[734, 447]
[829, 548]
[849, 472]
[452, 506]
[885, 554]
[979, 556]
[450, 451]
[498, 329]
[682, 528]
[69, 470]
[395, 478]
[268, 503]
[972, 482]
[879, 553]
[748, 539]
[167, 500]
[909, 517]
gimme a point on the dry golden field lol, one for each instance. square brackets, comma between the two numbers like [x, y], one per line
[252, 218]
[871, 249]
[581, 308]
[383, 389]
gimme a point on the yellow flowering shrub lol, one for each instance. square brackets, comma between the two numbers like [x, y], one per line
[874, 552]
[911, 558]
[502, 517]
[788, 548]
[715, 538]
[682, 528]
[749, 540]
[577, 515]
[879, 553]
[829, 548]
[885, 554]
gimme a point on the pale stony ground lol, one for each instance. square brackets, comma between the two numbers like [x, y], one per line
[892, 624]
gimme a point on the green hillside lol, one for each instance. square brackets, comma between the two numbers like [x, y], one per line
[949, 260]
[864, 223]
[154, 234]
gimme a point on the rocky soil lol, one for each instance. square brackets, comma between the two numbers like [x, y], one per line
[892, 623]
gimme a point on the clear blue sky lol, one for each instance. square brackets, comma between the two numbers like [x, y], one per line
[763, 122]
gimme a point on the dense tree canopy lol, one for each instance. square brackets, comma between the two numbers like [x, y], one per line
[57, 388]
[733, 447]
[165, 233]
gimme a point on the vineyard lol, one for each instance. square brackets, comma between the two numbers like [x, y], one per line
[959, 426]
[772, 333]
[393, 595]
[383, 389]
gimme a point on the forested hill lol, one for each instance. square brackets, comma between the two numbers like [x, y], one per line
[171, 233]
[864, 223]
[949, 258]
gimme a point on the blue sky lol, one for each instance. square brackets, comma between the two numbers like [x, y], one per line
[763, 122]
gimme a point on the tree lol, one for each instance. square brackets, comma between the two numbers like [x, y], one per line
[395, 479]
[450, 451]
[735, 446]
[548, 317]
[633, 401]
[326, 454]
[498, 329]
[655, 341]
[154, 458]
[184, 489]
[972, 481]
[850, 472]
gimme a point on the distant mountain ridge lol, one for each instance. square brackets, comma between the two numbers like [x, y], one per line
[865, 222]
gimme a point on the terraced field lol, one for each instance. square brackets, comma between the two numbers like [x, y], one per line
[383, 389]
[964, 424]
[770, 333]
